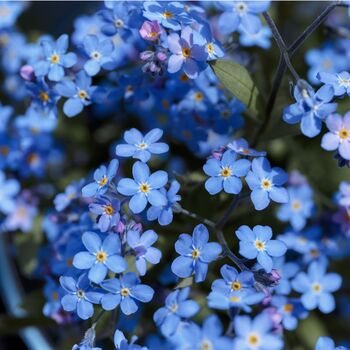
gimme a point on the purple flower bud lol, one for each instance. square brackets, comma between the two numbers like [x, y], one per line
[27, 73]
[150, 30]
[161, 56]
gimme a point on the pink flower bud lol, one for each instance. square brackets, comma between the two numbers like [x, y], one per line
[150, 30]
[27, 73]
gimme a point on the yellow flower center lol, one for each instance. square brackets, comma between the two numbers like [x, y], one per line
[225, 114]
[44, 96]
[236, 285]
[82, 94]
[119, 23]
[316, 287]
[314, 252]
[174, 307]
[69, 262]
[144, 187]
[195, 254]
[296, 205]
[4, 150]
[206, 345]
[226, 172]
[184, 78]
[288, 308]
[95, 55]
[80, 293]
[101, 256]
[103, 181]
[327, 64]
[152, 34]
[54, 295]
[54, 59]
[210, 48]
[266, 184]
[109, 210]
[124, 292]
[186, 52]
[142, 145]
[344, 133]
[260, 245]
[32, 158]
[167, 14]
[253, 339]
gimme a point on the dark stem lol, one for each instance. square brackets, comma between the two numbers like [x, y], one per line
[221, 223]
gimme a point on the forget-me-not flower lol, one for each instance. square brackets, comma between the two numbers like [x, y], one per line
[107, 211]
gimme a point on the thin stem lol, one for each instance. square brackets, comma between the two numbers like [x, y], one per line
[221, 223]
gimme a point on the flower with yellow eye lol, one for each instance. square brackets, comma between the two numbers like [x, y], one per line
[107, 211]
[257, 243]
[225, 173]
[266, 184]
[102, 179]
[100, 256]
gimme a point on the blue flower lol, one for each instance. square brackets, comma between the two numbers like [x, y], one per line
[310, 109]
[340, 82]
[195, 254]
[99, 52]
[299, 208]
[80, 296]
[261, 38]
[266, 183]
[123, 291]
[103, 177]
[72, 192]
[185, 53]
[164, 214]
[326, 343]
[143, 250]
[144, 188]
[9, 11]
[79, 93]
[101, 256]
[56, 59]
[286, 271]
[141, 147]
[121, 342]
[316, 287]
[257, 243]
[225, 173]
[107, 211]
[168, 14]
[241, 146]
[176, 308]
[8, 190]
[255, 334]
[241, 13]
[209, 336]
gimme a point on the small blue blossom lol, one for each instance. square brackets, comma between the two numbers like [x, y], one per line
[103, 177]
[266, 184]
[195, 254]
[142, 147]
[299, 208]
[143, 250]
[311, 108]
[241, 13]
[107, 211]
[80, 296]
[79, 93]
[9, 188]
[99, 52]
[123, 291]
[340, 82]
[164, 214]
[56, 59]
[326, 343]
[241, 146]
[261, 38]
[185, 53]
[9, 11]
[255, 334]
[257, 243]
[121, 342]
[100, 257]
[144, 187]
[176, 307]
[316, 287]
[225, 173]
[72, 192]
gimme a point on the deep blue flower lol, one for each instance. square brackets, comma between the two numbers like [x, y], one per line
[176, 307]
[107, 211]
[311, 108]
[266, 184]
[144, 188]
[299, 208]
[164, 214]
[141, 147]
[103, 177]
[101, 256]
[195, 254]
[79, 93]
[80, 296]
[257, 243]
[99, 52]
[56, 59]
[255, 334]
[316, 287]
[123, 291]
[225, 173]
[143, 250]
[241, 13]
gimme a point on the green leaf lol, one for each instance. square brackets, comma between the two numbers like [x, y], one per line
[238, 81]
[310, 330]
